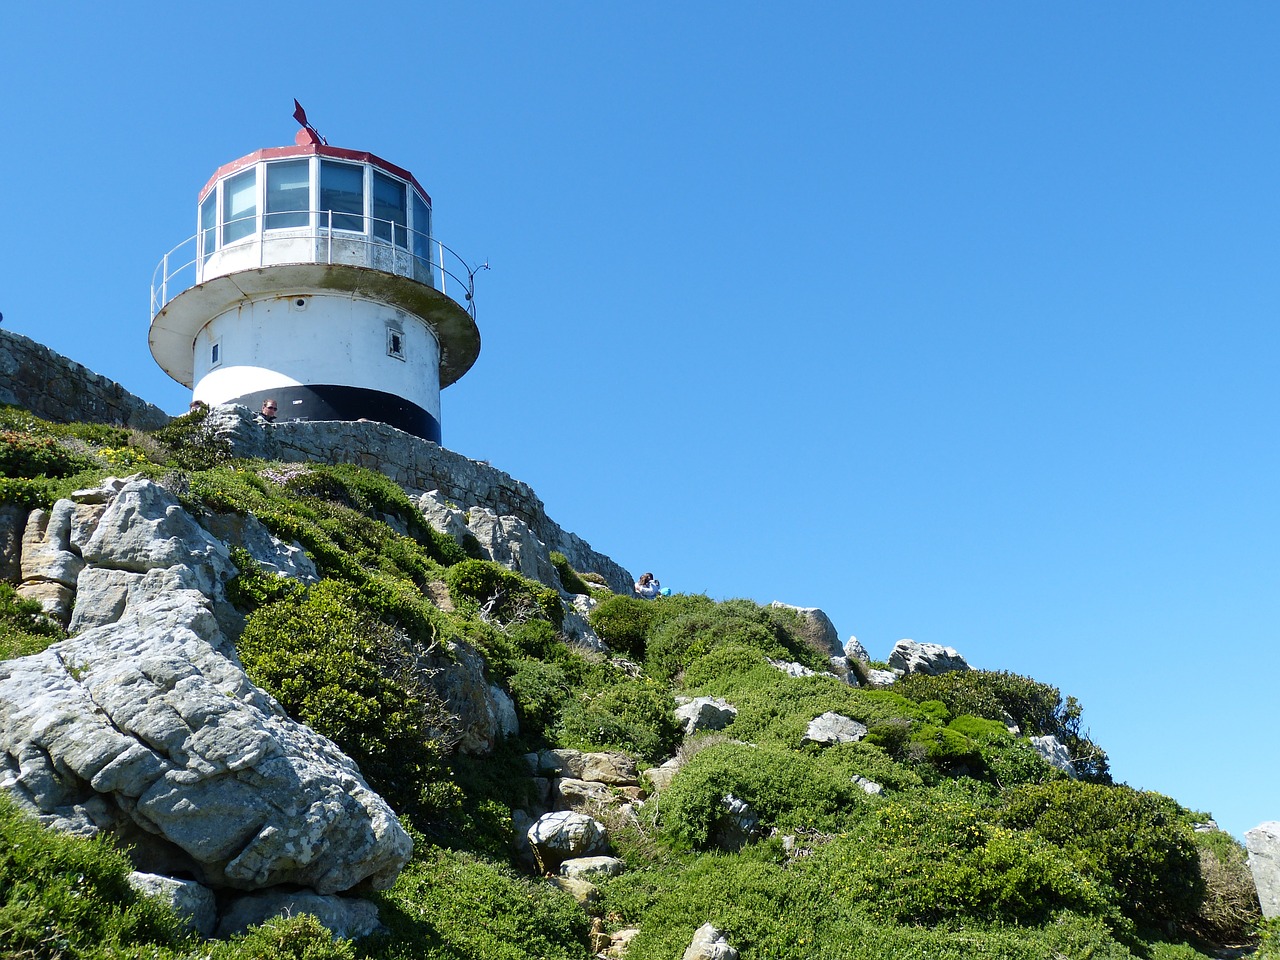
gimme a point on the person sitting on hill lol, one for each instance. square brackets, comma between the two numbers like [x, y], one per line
[647, 587]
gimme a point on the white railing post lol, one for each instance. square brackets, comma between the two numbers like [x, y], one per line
[440, 246]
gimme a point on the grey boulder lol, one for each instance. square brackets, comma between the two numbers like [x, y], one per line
[927, 658]
[1263, 844]
[144, 730]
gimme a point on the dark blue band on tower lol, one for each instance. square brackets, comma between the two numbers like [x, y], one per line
[331, 402]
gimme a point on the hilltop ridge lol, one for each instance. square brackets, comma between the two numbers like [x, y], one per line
[328, 670]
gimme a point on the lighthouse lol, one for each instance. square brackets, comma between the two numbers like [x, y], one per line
[314, 280]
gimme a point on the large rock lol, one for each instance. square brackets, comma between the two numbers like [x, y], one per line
[557, 837]
[144, 528]
[705, 713]
[832, 728]
[1263, 844]
[272, 554]
[1055, 754]
[482, 713]
[344, 917]
[13, 521]
[195, 905]
[143, 729]
[709, 944]
[816, 629]
[616, 769]
[510, 542]
[927, 658]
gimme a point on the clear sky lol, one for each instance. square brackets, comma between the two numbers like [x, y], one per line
[958, 321]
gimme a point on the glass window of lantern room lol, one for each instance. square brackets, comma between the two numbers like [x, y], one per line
[288, 194]
[421, 229]
[209, 224]
[240, 206]
[342, 194]
[389, 208]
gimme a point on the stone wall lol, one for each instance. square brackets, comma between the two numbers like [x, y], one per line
[417, 465]
[54, 388]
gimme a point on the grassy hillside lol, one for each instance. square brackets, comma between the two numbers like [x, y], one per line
[975, 848]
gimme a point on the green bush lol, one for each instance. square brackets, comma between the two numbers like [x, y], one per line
[189, 443]
[494, 591]
[632, 715]
[452, 906]
[623, 623]
[785, 788]
[24, 628]
[1037, 708]
[1138, 845]
[252, 586]
[538, 689]
[297, 937]
[569, 579]
[1229, 911]
[337, 668]
[66, 897]
[22, 455]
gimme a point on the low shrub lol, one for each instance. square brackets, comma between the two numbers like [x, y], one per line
[496, 593]
[1230, 910]
[64, 896]
[298, 936]
[785, 788]
[337, 668]
[189, 443]
[569, 579]
[1137, 845]
[1037, 708]
[623, 623]
[24, 628]
[637, 716]
[451, 906]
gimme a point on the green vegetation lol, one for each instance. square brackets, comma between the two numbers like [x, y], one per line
[975, 848]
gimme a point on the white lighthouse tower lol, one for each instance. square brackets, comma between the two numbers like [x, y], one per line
[314, 280]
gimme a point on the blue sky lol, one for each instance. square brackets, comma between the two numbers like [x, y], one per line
[955, 320]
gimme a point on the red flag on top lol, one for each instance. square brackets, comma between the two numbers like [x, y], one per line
[299, 114]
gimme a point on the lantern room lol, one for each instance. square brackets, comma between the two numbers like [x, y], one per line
[314, 280]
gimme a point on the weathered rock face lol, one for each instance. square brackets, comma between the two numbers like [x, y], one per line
[417, 465]
[832, 728]
[817, 629]
[557, 837]
[705, 713]
[144, 729]
[927, 658]
[1263, 844]
[483, 713]
[510, 542]
[709, 944]
[1055, 754]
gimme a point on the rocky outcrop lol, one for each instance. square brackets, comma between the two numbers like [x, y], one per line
[54, 388]
[704, 713]
[1263, 844]
[143, 729]
[709, 944]
[1055, 753]
[927, 658]
[564, 835]
[816, 629]
[832, 728]
[417, 465]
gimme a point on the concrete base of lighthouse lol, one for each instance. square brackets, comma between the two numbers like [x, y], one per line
[335, 402]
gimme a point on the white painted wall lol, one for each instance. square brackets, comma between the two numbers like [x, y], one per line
[341, 340]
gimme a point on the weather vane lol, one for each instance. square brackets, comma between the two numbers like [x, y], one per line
[312, 133]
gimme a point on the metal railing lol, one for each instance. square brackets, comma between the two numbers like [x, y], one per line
[412, 254]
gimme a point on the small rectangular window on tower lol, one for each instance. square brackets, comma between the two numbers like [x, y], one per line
[395, 343]
[215, 354]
